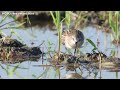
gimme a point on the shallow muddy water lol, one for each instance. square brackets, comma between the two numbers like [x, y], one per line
[34, 69]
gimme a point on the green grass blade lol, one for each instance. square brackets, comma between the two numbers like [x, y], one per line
[13, 70]
[68, 18]
[58, 19]
[6, 15]
[111, 21]
[16, 34]
[44, 73]
[79, 18]
[116, 30]
[53, 17]
[4, 69]
[91, 42]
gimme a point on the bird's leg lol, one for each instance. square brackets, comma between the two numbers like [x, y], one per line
[74, 51]
[75, 48]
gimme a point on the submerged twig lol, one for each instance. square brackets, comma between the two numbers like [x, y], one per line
[48, 65]
[7, 23]
[42, 43]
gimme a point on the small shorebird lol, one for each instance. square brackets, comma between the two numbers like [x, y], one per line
[72, 39]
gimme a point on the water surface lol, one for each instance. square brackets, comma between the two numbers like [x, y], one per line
[37, 35]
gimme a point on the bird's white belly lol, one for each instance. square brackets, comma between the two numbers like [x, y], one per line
[70, 44]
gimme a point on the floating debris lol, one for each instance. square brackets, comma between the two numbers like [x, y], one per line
[91, 60]
[9, 42]
[12, 51]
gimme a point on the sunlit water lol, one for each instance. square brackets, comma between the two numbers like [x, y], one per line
[37, 35]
